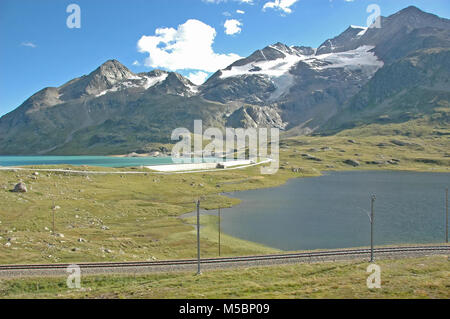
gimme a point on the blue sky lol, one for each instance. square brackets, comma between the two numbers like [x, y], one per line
[38, 50]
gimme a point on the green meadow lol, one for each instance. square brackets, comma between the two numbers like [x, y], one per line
[400, 278]
[120, 217]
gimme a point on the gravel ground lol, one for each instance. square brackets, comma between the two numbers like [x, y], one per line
[219, 265]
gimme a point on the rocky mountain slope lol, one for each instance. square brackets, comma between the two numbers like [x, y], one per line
[364, 75]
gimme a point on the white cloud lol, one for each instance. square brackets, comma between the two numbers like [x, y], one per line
[198, 78]
[28, 44]
[187, 47]
[136, 63]
[232, 26]
[283, 5]
[240, 11]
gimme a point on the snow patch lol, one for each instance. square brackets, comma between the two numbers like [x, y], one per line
[353, 59]
[136, 81]
[363, 29]
[152, 81]
[278, 71]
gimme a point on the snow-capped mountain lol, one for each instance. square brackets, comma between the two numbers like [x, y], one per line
[352, 78]
[278, 68]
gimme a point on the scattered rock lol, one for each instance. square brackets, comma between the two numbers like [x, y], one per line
[351, 162]
[75, 249]
[311, 158]
[81, 240]
[36, 174]
[351, 141]
[399, 143]
[427, 161]
[392, 162]
[20, 188]
[105, 227]
[59, 235]
[8, 244]
[376, 162]
[403, 143]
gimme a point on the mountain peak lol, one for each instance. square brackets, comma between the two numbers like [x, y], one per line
[114, 69]
[411, 9]
[414, 17]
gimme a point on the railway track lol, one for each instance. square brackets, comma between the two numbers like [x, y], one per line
[258, 259]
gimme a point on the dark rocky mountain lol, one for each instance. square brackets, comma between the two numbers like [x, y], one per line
[364, 75]
[392, 27]
[410, 88]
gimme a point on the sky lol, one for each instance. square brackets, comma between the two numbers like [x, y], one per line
[45, 43]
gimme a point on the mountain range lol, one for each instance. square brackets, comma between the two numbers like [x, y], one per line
[391, 74]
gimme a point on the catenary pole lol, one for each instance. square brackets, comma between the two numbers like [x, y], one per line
[198, 238]
[372, 214]
[219, 231]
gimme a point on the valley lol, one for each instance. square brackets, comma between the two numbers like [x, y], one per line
[135, 217]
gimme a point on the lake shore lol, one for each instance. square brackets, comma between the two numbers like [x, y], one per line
[142, 210]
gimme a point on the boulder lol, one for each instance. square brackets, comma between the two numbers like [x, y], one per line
[351, 162]
[311, 157]
[20, 188]
[393, 162]
[376, 162]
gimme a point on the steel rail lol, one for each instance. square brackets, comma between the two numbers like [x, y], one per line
[228, 260]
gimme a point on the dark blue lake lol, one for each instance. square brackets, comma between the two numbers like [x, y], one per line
[331, 211]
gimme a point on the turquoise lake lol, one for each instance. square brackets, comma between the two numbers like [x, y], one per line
[104, 161]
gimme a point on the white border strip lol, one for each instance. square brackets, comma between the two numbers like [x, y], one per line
[56, 170]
